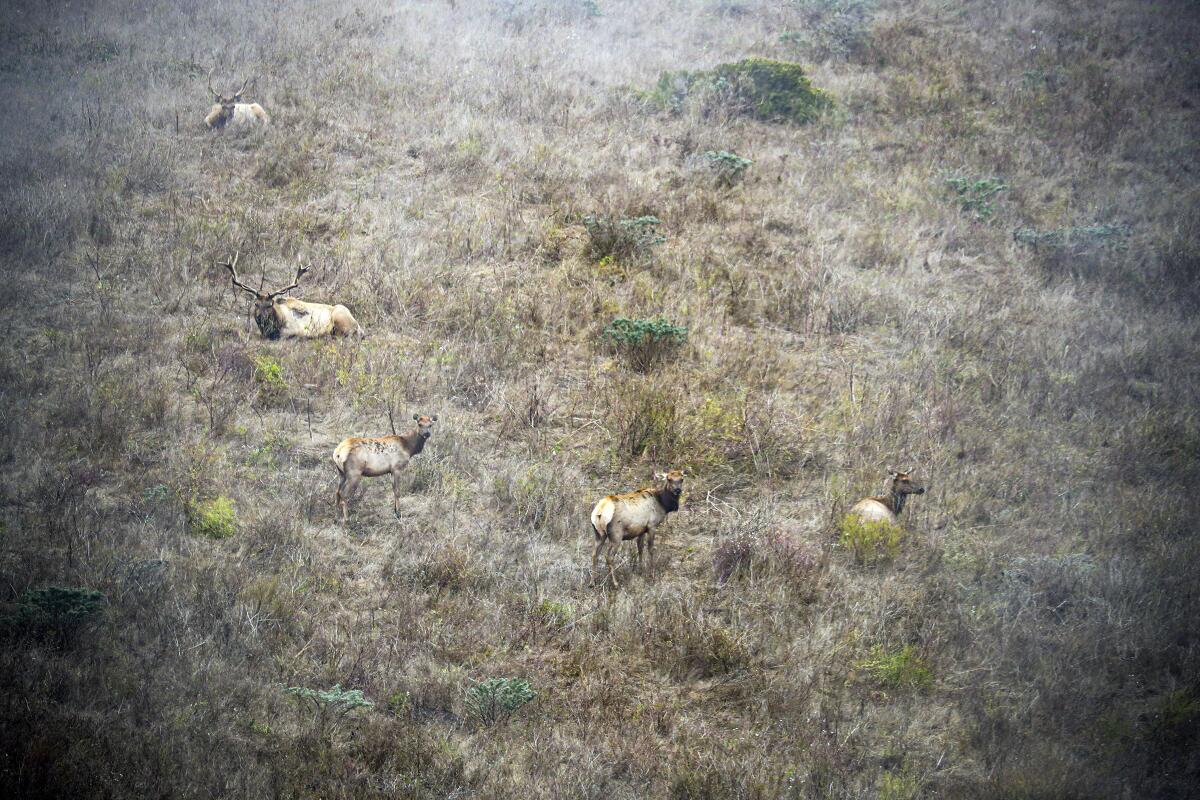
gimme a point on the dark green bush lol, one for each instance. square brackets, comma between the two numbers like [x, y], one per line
[762, 88]
[644, 342]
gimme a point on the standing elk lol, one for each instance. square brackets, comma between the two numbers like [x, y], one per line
[359, 457]
[231, 112]
[286, 317]
[632, 515]
[887, 508]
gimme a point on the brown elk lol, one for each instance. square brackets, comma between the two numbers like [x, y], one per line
[359, 457]
[231, 112]
[887, 508]
[286, 317]
[633, 515]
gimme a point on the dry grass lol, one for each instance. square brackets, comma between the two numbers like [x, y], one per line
[437, 163]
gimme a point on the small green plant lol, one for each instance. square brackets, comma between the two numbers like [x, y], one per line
[728, 167]
[56, 611]
[644, 341]
[901, 669]
[772, 91]
[268, 375]
[332, 705]
[592, 8]
[616, 239]
[869, 541]
[902, 785]
[214, 518]
[555, 614]
[1078, 237]
[977, 195]
[497, 698]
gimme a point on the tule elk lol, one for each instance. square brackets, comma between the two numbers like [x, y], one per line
[630, 516]
[230, 112]
[358, 457]
[286, 317]
[887, 508]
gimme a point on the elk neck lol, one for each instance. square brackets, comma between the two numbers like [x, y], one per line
[667, 499]
[893, 500]
[412, 442]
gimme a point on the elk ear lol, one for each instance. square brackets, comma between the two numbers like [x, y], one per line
[434, 418]
[416, 416]
[660, 476]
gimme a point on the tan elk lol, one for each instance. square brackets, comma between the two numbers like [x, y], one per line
[286, 317]
[231, 112]
[887, 508]
[633, 515]
[359, 457]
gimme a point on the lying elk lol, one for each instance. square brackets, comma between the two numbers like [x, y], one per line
[286, 317]
[357, 458]
[630, 516]
[887, 508]
[231, 112]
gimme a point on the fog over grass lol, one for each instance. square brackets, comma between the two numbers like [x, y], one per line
[978, 262]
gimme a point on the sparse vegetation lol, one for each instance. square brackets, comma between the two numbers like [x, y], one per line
[869, 541]
[487, 189]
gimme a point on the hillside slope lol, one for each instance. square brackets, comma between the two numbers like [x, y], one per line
[980, 263]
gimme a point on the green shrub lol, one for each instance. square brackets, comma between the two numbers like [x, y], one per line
[644, 341]
[268, 375]
[977, 195]
[773, 91]
[555, 614]
[214, 518]
[497, 698]
[615, 239]
[869, 541]
[55, 610]
[901, 785]
[331, 705]
[728, 167]
[901, 669]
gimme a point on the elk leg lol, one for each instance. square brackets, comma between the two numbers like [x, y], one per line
[650, 546]
[641, 544]
[612, 575]
[600, 542]
[396, 492]
[347, 493]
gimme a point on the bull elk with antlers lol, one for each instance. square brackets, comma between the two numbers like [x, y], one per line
[231, 111]
[286, 317]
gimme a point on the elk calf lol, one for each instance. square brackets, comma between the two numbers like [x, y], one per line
[357, 458]
[288, 317]
[887, 508]
[231, 112]
[630, 516]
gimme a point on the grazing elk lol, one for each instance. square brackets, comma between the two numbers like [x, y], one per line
[357, 458]
[231, 112]
[630, 516]
[286, 317]
[887, 508]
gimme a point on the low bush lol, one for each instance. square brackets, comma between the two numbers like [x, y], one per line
[214, 518]
[899, 669]
[617, 239]
[55, 611]
[644, 342]
[761, 88]
[728, 168]
[496, 699]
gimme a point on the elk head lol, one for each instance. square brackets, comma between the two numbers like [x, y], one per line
[424, 424]
[902, 483]
[227, 104]
[672, 480]
[264, 302]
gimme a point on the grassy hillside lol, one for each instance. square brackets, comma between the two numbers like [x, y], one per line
[976, 257]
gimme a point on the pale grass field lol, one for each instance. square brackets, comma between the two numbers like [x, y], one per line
[846, 313]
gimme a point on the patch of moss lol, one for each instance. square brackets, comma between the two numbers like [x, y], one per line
[214, 518]
[762, 88]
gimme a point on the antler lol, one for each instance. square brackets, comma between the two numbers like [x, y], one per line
[300, 270]
[209, 82]
[245, 83]
[232, 267]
